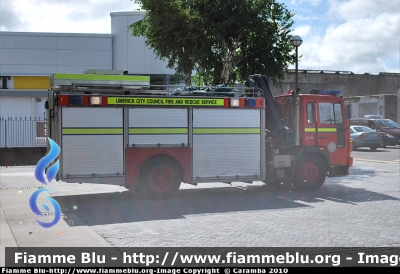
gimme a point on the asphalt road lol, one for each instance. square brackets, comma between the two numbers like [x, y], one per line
[381, 154]
[358, 210]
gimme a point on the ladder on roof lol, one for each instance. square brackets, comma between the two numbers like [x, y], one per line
[111, 82]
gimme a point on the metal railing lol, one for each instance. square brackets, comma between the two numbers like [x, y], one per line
[23, 132]
[4, 170]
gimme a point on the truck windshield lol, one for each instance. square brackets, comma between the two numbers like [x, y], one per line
[330, 113]
[388, 124]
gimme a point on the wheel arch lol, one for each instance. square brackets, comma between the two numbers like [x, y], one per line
[321, 152]
[137, 157]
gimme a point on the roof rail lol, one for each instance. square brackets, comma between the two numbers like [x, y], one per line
[105, 72]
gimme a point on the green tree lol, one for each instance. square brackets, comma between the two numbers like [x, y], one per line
[171, 30]
[225, 40]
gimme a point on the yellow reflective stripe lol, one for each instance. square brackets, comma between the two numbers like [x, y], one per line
[226, 130]
[309, 129]
[91, 131]
[326, 129]
[321, 129]
[158, 131]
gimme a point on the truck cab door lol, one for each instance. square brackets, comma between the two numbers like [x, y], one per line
[331, 131]
[309, 122]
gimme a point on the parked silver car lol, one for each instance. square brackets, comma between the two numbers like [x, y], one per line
[183, 91]
[365, 137]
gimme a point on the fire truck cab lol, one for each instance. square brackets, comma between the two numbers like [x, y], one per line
[323, 139]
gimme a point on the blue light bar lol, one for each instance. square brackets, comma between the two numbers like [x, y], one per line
[329, 92]
[250, 103]
[76, 100]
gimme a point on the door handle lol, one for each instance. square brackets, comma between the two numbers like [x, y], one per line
[321, 137]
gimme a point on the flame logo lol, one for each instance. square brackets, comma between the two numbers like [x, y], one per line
[45, 161]
[50, 174]
[35, 209]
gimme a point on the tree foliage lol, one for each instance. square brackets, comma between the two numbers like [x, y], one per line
[224, 40]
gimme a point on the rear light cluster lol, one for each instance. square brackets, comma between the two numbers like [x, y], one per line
[77, 100]
[243, 102]
[361, 137]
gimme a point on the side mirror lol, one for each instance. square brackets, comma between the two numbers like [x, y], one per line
[348, 111]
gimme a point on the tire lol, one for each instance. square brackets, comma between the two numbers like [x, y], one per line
[310, 173]
[373, 148]
[159, 178]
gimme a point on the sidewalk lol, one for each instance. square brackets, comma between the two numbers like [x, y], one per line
[6, 237]
[18, 223]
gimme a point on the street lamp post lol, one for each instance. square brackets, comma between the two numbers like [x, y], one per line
[296, 42]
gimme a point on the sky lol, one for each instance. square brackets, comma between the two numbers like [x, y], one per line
[361, 36]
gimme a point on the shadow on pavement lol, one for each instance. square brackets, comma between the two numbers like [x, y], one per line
[123, 207]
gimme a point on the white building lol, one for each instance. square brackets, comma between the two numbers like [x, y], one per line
[28, 59]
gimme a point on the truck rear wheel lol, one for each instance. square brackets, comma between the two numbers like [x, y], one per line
[310, 173]
[159, 177]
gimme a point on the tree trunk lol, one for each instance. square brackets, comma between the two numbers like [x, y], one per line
[203, 75]
[225, 73]
[188, 78]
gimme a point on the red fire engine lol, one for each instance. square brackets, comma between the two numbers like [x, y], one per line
[113, 129]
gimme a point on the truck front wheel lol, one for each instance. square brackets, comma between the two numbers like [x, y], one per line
[310, 173]
[159, 177]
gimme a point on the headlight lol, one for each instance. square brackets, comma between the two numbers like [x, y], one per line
[386, 135]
